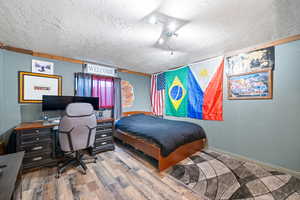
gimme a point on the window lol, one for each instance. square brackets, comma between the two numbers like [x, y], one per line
[103, 87]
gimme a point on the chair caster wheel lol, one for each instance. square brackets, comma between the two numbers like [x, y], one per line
[57, 176]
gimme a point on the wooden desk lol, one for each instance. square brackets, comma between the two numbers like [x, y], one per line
[10, 173]
[39, 142]
[40, 124]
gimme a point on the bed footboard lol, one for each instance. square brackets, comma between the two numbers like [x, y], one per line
[154, 151]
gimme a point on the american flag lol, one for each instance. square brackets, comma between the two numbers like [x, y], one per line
[158, 93]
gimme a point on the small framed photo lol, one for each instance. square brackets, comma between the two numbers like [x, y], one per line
[32, 86]
[42, 67]
[251, 85]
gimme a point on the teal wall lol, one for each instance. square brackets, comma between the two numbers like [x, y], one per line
[141, 88]
[12, 113]
[1, 92]
[264, 130]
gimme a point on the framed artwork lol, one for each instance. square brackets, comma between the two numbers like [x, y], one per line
[252, 85]
[251, 61]
[127, 94]
[32, 86]
[43, 67]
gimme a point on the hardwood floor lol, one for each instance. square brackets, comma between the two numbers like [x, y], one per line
[117, 175]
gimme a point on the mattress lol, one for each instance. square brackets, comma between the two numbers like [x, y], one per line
[167, 134]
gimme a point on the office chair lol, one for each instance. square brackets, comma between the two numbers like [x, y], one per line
[77, 131]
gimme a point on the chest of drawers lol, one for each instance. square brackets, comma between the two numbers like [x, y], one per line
[38, 144]
[103, 138]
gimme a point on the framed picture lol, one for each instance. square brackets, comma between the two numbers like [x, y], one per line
[43, 67]
[32, 86]
[252, 85]
[260, 59]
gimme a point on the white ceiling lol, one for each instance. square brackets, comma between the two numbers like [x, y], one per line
[115, 31]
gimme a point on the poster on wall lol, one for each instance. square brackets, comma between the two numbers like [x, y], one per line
[32, 86]
[43, 67]
[252, 85]
[127, 94]
[251, 61]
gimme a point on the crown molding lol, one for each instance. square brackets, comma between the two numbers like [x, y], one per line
[133, 72]
[60, 58]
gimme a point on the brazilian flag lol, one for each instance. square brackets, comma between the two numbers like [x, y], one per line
[176, 92]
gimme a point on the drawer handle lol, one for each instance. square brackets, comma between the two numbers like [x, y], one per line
[37, 131]
[103, 143]
[37, 158]
[37, 139]
[37, 148]
[104, 135]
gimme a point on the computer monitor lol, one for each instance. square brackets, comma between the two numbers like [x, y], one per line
[52, 103]
[92, 100]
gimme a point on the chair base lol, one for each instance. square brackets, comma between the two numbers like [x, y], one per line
[75, 161]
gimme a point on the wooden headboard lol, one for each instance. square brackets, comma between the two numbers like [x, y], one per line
[136, 112]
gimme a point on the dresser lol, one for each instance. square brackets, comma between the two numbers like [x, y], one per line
[104, 137]
[38, 142]
[40, 146]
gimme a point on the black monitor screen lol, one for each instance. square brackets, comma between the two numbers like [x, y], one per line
[92, 100]
[61, 102]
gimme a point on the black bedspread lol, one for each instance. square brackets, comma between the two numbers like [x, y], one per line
[168, 134]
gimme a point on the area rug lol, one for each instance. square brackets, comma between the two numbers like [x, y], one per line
[219, 176]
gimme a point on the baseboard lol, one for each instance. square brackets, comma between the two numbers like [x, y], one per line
[262, 164]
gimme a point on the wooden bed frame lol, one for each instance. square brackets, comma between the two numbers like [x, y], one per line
[154, 151]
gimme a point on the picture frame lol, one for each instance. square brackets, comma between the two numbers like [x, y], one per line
[251, 85]
[259, 59]
[32, 86]
[42, 67]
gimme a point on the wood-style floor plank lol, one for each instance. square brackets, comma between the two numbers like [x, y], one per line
[117, 175]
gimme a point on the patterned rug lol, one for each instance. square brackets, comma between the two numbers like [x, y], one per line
[220, 176]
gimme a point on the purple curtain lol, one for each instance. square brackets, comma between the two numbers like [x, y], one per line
[103, 87]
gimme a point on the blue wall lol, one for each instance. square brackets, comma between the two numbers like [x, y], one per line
[1, 92]
[12, 113]
[264, 130]
[141, 88]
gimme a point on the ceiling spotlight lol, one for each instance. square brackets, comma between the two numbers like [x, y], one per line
[160, 41]
[172, 26]
[152, 20]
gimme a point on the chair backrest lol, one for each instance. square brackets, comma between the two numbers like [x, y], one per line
[77, 127]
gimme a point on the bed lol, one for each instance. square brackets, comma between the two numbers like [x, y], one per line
[167, 141]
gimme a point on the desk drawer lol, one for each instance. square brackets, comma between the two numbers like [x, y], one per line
[103, 134]
[36, 138]
[33, 131]
[103, 141]
[107, 125]
[37, 147]
[36, 158]
[102, 148]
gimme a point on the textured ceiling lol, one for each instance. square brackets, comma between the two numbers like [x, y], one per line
[115, 32]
